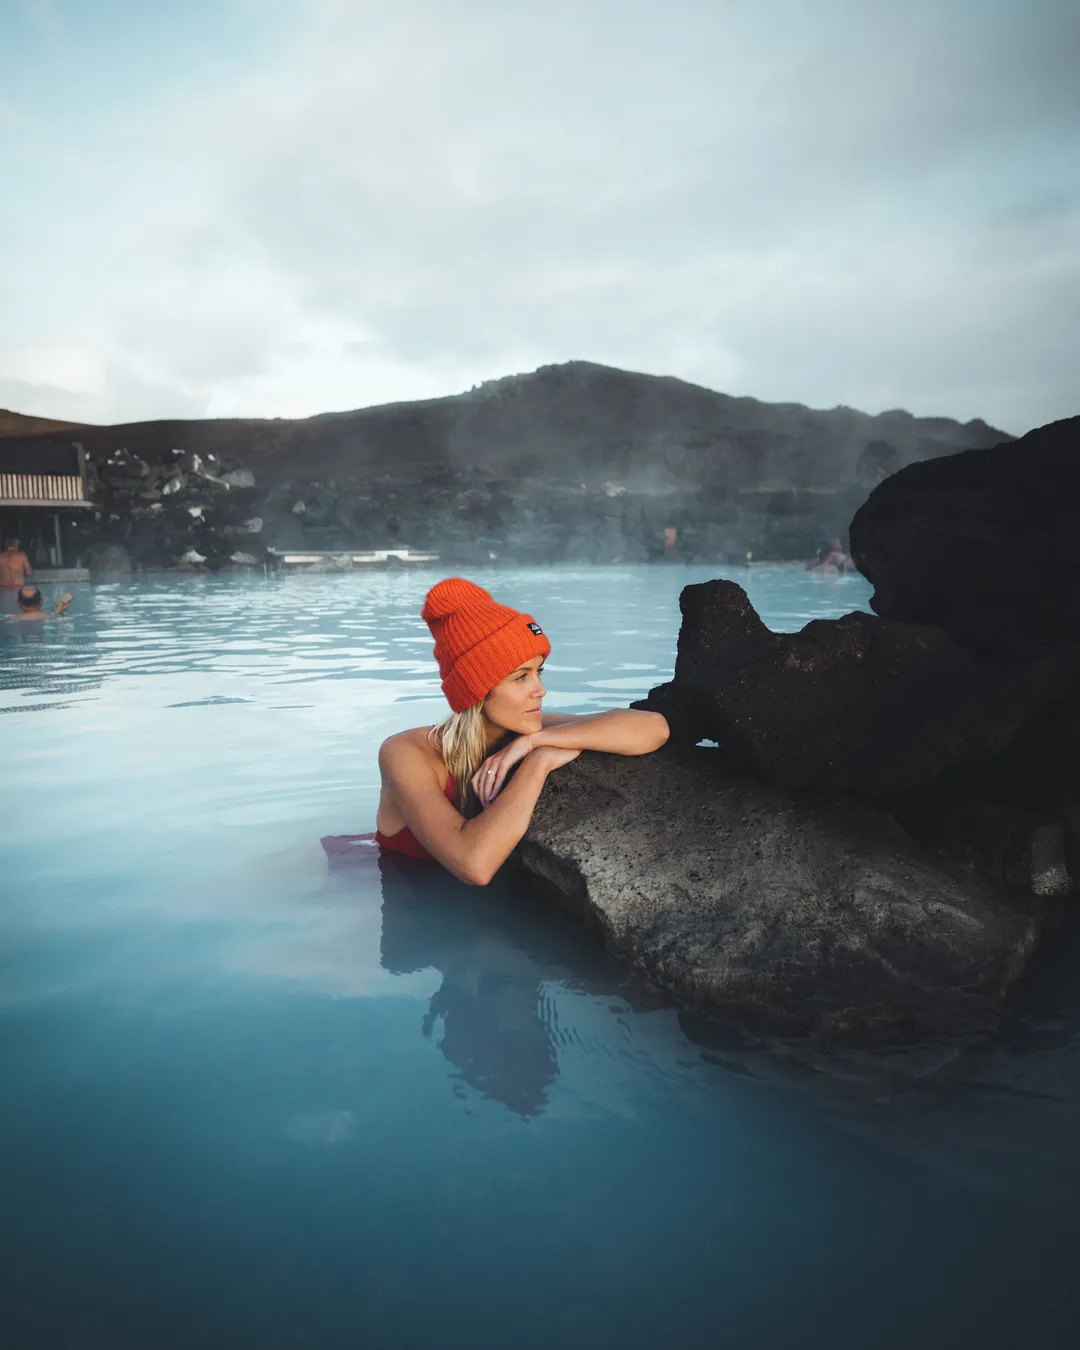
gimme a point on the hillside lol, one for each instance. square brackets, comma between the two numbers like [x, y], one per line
[576, 461]
[19, 424]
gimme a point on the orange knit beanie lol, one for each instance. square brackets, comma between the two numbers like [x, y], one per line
[478, 642]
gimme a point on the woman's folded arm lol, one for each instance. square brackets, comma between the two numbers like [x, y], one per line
[621, 731]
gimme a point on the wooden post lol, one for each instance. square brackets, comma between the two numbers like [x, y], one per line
[80, 451]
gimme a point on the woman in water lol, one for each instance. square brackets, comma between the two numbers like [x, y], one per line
[447, 791]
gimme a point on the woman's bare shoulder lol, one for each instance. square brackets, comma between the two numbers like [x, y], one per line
[557, 719]
[410, 747]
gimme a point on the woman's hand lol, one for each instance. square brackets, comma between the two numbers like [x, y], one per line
[490, 779]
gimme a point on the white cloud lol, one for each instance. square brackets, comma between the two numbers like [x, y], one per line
[837, 204]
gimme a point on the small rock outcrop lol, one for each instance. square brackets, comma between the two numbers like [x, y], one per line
[802, 912]
[859, 704]
[982, 544]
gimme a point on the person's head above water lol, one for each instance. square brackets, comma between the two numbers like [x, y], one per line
[489, 658]
[29, 597]
[478, 642]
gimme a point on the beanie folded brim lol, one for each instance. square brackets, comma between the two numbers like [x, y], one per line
[478, 642]
[476, 672]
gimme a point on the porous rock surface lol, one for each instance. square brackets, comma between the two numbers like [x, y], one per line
[982, 544]
[858, 704]
[801, 911]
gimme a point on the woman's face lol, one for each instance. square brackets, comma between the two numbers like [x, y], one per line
[514, 704]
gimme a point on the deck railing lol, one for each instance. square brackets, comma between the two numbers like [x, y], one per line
[32, 489]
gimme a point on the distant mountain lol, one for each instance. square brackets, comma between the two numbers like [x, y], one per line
[576, 420]
[574, 461]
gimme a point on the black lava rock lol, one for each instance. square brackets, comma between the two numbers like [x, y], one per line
[857, 704]
[982, 544]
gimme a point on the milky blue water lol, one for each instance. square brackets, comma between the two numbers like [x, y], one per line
[248, 1102]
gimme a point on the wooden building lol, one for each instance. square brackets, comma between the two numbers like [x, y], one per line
[41, 485]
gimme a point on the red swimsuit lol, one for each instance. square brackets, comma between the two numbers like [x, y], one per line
[350, 847]
[404, 841]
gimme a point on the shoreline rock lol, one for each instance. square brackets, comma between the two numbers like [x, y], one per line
[798, 911]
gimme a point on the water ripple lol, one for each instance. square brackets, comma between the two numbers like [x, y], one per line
[307, 630]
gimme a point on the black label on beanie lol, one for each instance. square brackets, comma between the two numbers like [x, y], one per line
[535, 628]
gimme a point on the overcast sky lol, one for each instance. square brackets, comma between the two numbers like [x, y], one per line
[280, 207]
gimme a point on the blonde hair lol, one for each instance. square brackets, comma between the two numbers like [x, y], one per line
[461, 739]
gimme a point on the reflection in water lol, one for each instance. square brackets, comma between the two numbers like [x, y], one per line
[491, 1029]
[497, 948]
